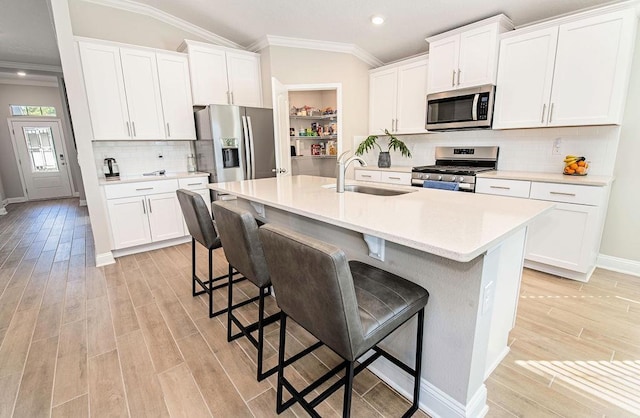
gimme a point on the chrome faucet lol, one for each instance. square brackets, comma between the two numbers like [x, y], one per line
[342, 168]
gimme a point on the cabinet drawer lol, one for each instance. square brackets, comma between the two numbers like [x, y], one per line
[114, 191]
[193, 183]
[568, 193]
[513, 188]
[395, 178]
[368, 175]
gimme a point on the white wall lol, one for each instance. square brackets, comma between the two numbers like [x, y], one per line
[37, 96]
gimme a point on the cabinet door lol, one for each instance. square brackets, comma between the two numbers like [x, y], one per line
[206, 195]
[208, 67]
[478, 57]
[443, 64]
[525, 72]
[175, 91]
[412, 98]
[591, 70]
[165, 216]
[243, 72]
[129, 222]
[143, 93]
[105, 91]
[383, 90]
[564, 237]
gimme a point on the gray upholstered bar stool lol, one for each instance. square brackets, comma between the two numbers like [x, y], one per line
[347, 305]
[201, 228]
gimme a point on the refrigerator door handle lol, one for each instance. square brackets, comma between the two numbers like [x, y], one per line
[246, 138]
[253, 154]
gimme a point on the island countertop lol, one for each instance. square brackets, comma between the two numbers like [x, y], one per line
[458, 226]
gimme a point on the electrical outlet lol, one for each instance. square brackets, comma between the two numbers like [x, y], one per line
[487, 297]
[555, 150]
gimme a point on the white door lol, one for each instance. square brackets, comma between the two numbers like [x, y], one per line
[143, 93]
[243, 72]
[175, 90]
[165, 216]
[209, 83]
[129, 221]
[42, 159]
[383, 90]
[478, 57]
[412, 97]
[106, 97]
[282, 140]
[443, 61]
[525, 73]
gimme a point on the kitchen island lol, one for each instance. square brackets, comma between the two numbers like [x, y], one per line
[465, 249]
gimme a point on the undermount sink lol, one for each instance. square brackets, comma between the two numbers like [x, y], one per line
[377, 191]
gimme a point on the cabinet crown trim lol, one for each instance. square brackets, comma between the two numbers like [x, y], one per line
[422, 58]
[94, 41]
[502, 20]
[188, 43]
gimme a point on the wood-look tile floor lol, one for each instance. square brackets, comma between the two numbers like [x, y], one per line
[129, 340]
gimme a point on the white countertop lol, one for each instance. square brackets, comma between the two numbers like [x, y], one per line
[587, 180]
[396, 169]
[138, 177]
[455, 225]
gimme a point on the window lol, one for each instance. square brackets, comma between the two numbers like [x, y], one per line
[41, 149]
[23, 110]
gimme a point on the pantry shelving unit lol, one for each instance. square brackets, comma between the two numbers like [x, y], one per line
[298, 122]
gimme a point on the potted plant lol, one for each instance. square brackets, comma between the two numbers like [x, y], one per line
[384, 158]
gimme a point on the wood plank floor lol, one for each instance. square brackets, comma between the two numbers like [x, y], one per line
[129, 340]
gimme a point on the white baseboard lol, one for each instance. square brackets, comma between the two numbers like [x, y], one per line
[153, 246]
[433, 401]
[76, 194]
[3, 211]
[104, 258]
[497, 362]
[83, 202]
[621, 265]
[21, 199]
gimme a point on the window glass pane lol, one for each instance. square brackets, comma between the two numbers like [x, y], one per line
[34, 111]
[21, 110]
[18, 110]
[41, 148]
[48, 111]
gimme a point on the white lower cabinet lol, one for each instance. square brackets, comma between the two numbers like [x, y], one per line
[388, 176]
[566, 240]
[165, 216]
[129, 221]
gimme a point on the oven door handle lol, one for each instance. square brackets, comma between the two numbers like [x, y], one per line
[474, 107]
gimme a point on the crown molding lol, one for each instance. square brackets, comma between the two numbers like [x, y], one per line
[30, 80]
[143, 9]
[32, 67]
[272, 40]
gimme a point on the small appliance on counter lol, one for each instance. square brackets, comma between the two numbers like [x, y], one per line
[111, 171]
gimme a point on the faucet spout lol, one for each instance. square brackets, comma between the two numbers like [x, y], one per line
[342, 168]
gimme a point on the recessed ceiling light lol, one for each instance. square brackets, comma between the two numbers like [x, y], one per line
[377, 20]
[21, 73]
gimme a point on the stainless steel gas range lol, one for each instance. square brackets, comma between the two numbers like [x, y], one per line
[456, 166]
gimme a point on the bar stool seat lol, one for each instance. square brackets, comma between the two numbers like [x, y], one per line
[349, 306]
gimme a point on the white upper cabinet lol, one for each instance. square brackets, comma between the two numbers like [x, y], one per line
[398, 97]
[467, 56]
[571, 73]
[105, 91]
[143, 93]
[221, 75]
[175, 91]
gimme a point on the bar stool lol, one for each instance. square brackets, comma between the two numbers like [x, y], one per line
[348, 305]
[201, 228]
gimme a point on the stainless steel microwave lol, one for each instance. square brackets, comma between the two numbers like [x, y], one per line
[470, 108]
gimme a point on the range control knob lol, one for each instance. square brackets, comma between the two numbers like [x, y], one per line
[425, 177]
[461, 179]
[438, 177]
[449, 177]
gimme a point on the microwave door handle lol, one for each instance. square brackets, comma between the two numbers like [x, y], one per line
[247, 153]
[474, 108]
[252, 150]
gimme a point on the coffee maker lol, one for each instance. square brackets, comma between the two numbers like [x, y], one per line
[110, 169]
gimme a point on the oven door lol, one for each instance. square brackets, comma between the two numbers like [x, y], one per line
[460, 109]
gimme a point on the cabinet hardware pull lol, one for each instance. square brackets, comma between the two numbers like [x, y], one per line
[150, 210]
[459, 71]
[128, 130]
[144, 207]
[365, 175]
[133, 124]
[394, 178]
[500, 187]
[231, 97]
[544, 107]
[551, 113]
[194, 184]
[168, 130]
[453, 79]
[397, 124]
[562, 194]
[144, 188]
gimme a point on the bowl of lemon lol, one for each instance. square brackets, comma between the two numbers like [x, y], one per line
[575, 166]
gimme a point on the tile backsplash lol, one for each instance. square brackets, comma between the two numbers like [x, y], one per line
[520, 149]
[138, 157]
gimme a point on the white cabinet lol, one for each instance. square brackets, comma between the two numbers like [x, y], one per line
[467, 56]
[564, 241]
[165, 216]
[136, 93]
[129, 221]
[388, 176]
[568, 74]
[397, 97]
[222, 75]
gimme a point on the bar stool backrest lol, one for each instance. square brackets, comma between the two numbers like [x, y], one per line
[239, 235]
[197, 217]
[313, 285]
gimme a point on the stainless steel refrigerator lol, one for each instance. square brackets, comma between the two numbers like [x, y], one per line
[235, 143]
